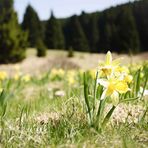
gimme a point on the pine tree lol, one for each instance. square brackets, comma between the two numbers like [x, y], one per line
[93, 34]
[75, 36]
[84, 20]
[54, 37]
[105, 33]
[140, 10]
[129, 37]
[12, 39]
[32, 24]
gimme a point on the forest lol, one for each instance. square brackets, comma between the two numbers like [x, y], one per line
[121, 29]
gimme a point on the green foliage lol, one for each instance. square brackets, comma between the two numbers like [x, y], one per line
[128, 35]
[33, 26]
[139, 9]
[41, 49]
[12, 39]
[75, 36]
[93, 33]
[54, 37]
[121, 29]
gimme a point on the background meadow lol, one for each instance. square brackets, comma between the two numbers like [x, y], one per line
[60, 86]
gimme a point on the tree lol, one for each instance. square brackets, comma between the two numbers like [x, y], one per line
[140, 10]
[105, 33]
[128, 35]
[75, 36]
[32, 24]
[93, 33]
[41, 49]
[54, 37]
[12, 39]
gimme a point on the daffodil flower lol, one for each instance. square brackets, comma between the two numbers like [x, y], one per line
[109, 66]
[3, 75]
[26, 78]
[125, 77]
[113, 87]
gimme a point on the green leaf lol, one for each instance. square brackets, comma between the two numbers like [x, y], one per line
[95, 89]
[86, 96]
[137, 82]
[129, 99]
[107, 117]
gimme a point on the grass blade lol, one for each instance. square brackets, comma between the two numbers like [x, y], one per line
[86, 96]
[107, 117]
[95, 89]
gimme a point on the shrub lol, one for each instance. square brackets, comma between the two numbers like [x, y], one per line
[70, 53]
[41, 49]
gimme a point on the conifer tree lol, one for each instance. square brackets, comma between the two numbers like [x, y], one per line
[12, 39]
[54, 37]
[84, 20]
[32, 24]
[129, 37]
[105, 33]
[93, 34]
[75, 35]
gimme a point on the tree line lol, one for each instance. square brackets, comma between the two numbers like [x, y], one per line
[121, 29]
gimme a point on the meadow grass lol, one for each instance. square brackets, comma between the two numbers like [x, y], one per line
[50, 111]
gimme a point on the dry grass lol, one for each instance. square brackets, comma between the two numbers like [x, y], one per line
[58, 59]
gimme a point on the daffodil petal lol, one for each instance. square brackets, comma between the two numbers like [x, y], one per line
[102, 82]
[116, 62]
[104, 95]
[115, 98]
[110, 89]
[121, 87]
[108, 58]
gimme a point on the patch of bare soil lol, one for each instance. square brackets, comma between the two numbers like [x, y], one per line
[56, 59]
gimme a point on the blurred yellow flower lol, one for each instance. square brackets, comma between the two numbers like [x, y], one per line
[121, 69]
[128, 78]
[71, 80]
[3, 75]
[17, 76]
[26, 78]
[57, 73]
[71, 77]
[92, 72]
[61, 72]
[1, 89]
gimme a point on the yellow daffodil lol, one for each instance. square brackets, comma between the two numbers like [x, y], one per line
[115, 79]
[1, 89]
[71, 80]
[92, 73]
[3, 75]
[113, 87]
[71, 77]
[128, 78]
[26, 78]
[61, 72]
[17, 76]
[121, 69]
[124, 77]
[57, 73]
[108, 67]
